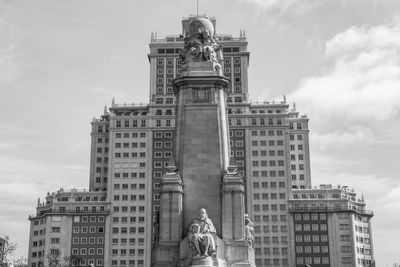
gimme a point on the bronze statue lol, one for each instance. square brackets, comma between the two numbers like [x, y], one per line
[201, 233]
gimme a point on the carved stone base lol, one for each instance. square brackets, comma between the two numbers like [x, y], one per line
[188, 258]
[200, 261]
[204, 68]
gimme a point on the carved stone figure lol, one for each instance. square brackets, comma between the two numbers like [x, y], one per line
[249, 229]
[200, 44]
[200, 235]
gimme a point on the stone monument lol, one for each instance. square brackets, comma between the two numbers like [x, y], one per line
[202, 212]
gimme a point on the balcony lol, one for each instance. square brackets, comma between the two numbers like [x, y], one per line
[67, 212]
[331, 209]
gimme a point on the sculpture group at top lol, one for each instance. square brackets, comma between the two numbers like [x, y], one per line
[200, 43]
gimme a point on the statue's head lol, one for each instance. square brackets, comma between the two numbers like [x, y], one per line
[203, 214]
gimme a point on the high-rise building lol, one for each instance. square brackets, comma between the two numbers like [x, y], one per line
[131, 148]
[331, 227]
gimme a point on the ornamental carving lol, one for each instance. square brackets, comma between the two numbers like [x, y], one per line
[201, 95]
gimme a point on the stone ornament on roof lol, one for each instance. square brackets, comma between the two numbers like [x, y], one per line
[200, 44]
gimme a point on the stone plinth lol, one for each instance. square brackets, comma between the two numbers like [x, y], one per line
[206, 68]
[201, 261]
[187, 254]
[239, 253]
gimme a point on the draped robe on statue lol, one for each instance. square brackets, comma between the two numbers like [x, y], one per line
[200, 235]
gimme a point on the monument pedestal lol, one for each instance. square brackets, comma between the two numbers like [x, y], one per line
[202, 140]
[202, 157]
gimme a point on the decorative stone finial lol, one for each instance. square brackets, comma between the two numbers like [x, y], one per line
[232, 168]
[171, 165]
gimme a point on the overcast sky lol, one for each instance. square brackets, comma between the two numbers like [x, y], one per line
[61, 61]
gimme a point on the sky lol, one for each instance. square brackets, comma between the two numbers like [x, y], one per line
[62, 61]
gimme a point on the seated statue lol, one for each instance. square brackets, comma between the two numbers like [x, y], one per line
[200, 235]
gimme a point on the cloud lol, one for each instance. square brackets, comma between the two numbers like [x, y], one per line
[354, 106]
[355, 137]
[102, 92]
[9, 65]
[362, 82]
[295, 6]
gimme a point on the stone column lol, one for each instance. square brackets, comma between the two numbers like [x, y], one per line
[233, 205]
[239, 251]
[170, 220]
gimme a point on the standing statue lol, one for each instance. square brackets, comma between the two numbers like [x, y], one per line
[200, 44]
[200, 234]
[249, 229]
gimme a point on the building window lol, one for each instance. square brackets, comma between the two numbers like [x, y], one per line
[160, 90]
